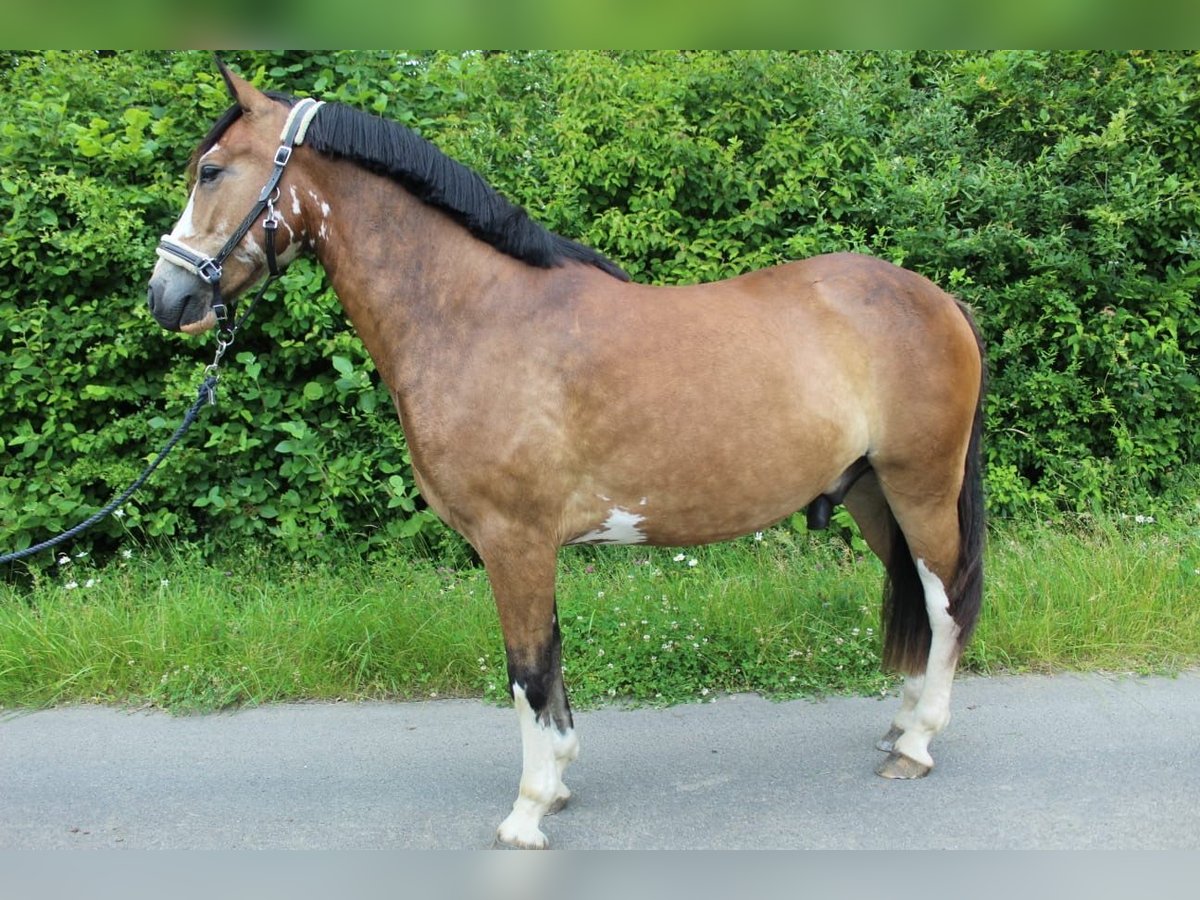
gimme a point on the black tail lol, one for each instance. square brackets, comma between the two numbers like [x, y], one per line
[906, 633]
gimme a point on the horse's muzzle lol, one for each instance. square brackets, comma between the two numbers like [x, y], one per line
[180, 302]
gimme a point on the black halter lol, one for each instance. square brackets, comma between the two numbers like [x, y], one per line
[208, 268]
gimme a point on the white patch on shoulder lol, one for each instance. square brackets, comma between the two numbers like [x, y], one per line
[621, 527]
[295, 201]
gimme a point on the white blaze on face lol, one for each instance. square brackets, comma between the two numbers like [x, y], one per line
[184, 228]
[621, 527]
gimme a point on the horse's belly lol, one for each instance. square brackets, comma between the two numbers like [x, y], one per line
[672, 519]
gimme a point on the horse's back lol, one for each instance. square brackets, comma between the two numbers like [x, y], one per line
[749, 397]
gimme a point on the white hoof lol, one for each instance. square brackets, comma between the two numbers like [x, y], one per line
[517, 831]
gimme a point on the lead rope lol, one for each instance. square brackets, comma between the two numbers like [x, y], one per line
[206, 395]
[208, 269]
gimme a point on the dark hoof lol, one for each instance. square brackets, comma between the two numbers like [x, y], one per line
[887, 743]
[897, 765]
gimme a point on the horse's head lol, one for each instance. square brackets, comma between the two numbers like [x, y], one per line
[219, 246]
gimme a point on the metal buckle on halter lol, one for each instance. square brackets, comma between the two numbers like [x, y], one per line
[209, 270]
[282, 155]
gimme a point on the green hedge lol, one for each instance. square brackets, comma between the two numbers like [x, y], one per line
[1057, 193]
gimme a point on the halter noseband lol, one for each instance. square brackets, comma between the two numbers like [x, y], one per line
[208, 268]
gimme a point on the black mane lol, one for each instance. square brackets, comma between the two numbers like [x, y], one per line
[390, 149]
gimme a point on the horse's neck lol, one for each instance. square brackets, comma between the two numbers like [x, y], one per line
[408, 276]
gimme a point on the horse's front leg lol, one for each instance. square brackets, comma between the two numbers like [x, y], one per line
[522, 578]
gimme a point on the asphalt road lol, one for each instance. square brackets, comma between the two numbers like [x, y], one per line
[1061, 762]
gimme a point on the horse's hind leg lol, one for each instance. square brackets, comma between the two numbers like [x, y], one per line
[870, 510]
[919, 617]
[523, 584]
[932, 533]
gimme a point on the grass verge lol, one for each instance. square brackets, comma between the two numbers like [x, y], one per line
[786, 615]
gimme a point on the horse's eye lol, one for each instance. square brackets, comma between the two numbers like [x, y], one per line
[208, 174]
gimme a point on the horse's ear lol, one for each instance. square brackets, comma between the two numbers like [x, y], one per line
[226, 75]
[246, 95]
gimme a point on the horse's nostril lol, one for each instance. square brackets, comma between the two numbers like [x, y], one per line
[150, 299]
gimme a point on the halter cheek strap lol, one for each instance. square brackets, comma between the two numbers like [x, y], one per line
[208, 268]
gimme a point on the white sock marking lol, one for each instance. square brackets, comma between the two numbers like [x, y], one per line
[932, 711]
[545, 752]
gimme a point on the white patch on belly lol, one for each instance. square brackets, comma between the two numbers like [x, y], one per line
[621, 527]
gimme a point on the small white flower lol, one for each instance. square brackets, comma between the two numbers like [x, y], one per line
[758, 535]
[126, 553]
[119, 513]
[693, 562]
[679, 557]
[599, 595]
[81, 554]
[91, 582]
[600, 652]
[164, 583]
[703, 692]
[71, 585]
[64, 560]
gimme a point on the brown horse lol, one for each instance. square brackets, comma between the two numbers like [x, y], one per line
[547, 400]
